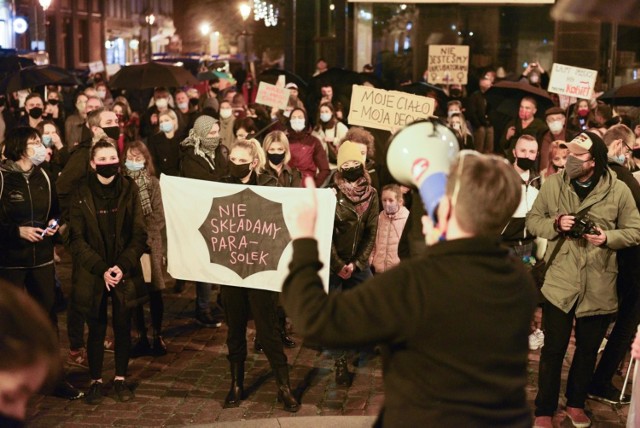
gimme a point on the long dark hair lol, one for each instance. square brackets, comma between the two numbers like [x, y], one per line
[144, 151]
[15, 146]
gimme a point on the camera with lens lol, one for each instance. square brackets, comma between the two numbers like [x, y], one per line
[583, 226]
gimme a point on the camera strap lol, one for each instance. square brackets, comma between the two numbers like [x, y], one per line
[561, 242]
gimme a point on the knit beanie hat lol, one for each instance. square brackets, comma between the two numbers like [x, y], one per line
[350, 151]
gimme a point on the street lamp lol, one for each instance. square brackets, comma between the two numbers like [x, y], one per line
[45, 5]
[245, 11]
[205, 29]
[150, 19]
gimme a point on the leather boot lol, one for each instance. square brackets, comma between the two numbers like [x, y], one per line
[284, 390]
[237, 386]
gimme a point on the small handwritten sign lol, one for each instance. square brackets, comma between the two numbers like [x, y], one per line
[272, 95]
[96, 67]
[572, 81]
[380, 109]
[448, 64]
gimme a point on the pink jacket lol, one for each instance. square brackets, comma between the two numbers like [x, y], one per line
[385, 252]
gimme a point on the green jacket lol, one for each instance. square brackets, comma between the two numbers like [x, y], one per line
[582, 272]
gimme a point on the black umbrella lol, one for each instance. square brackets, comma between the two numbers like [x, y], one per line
[13, 63]
[625, 95]
[38, 75]
[424, 89]
[151, 75]
[271, 76]
[505, 96]
[245, 232]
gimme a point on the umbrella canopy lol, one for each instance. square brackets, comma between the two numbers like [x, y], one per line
[505, 96]
[424, 89]
[271, 76]
[625, 95]
[38, 75]
[9, 64]
[151, 75]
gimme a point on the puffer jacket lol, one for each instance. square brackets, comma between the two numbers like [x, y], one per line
[385, 252]
[582, 272]
[25, 201]
[353, 235]
[88, 249]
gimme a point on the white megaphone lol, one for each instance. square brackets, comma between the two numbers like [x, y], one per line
[420, 155]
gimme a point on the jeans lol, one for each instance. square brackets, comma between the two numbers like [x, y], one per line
[589, 332]
[203, 296]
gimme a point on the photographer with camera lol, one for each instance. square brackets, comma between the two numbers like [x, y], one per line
[581, 281]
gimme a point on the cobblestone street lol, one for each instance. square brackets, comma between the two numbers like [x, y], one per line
[188, 385]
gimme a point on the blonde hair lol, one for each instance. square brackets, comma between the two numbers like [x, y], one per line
[277, 137]
[172, 114]
[255, 151]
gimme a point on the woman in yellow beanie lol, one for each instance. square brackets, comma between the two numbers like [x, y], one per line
[354, 230]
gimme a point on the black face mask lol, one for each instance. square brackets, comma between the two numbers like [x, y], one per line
[10, 422]
[239, 171]
[276, 158]
[636, 153]
[112, 132]
[108, 170]
[193, 102]
[525, 164]
[36, 113]
[53, 102]
[455, 93]
[353, 174]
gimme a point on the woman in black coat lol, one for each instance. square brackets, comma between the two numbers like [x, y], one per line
[107, 238]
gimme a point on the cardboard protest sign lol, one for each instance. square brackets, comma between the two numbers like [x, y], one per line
[96, 67]
[235, 234]
[272, 95]
[380, 109]
[448, 64]
[572, 81]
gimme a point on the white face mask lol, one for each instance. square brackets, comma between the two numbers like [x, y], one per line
[39, 155]
[556, 126]
[183, 106]
[325, 117]
[101, 94]
[297, 124]
[226, 113]
[162, 103]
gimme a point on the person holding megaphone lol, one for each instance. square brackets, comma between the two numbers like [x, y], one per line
[430, 311]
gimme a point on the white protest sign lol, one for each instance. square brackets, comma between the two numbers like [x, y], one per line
[380, 109]
[235, 234]
[272, 95]
[96, 67]
[572, 81]
[448, 64]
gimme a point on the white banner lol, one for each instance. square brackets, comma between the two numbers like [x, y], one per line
[572, 81]
[234, 234]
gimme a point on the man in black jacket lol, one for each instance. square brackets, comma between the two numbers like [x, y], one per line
[619, 140]
[431, 310]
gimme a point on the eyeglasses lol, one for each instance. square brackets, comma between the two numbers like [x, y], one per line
[35, 143]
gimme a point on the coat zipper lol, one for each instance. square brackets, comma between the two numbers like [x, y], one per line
[33, 245]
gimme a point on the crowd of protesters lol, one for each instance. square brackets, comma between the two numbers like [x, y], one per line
[86, 178]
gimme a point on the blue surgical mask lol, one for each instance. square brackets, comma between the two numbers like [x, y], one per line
[325, 117]
[619, 159]
[47, 140]
[39, 155]
[133, 165]
[166, 127]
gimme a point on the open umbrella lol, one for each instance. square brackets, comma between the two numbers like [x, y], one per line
[11, 63]
[424, 89]
[505, 96]
[625, 95]
[151, 75]
[271, 76]
[38, 75]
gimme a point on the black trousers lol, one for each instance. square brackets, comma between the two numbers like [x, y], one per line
[121, 322]
[38, 282]
[589, 332]
[628, 285]
[238, 303]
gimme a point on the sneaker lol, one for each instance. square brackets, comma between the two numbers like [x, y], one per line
[608, 395]
[141, 348]
[109, 344]
[543, 422]
[159, 347]
[122, 391]
[603, 345]
[78, 358]
[578, 417]
[67, 391]
[95, 395]
[205, 319]
[536, 340]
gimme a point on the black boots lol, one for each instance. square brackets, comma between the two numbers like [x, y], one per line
[237, 385]
[284, 390]
[343, 377]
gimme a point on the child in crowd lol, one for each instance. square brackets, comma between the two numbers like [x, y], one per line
[391, 222]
